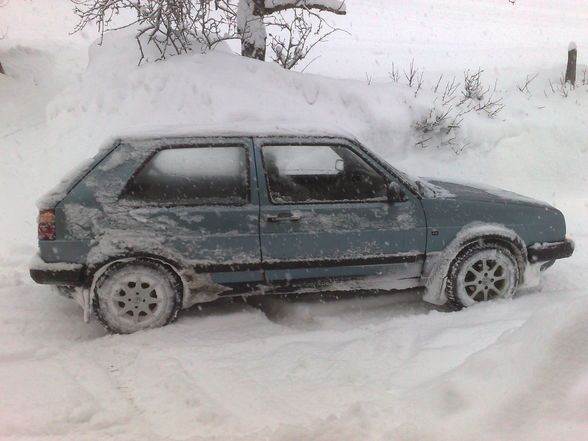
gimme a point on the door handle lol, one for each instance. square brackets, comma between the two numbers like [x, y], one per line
[283, 217]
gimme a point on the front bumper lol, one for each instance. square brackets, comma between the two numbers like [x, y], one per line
[546, 251]
[59, 273]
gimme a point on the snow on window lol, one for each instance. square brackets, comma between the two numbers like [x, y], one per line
[192, 176]
[311, 174]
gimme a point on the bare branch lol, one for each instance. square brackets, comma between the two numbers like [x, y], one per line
[293, 34]
[441, 125]
[334, 6]
[524, 88]
[170, 25]
[394, 74]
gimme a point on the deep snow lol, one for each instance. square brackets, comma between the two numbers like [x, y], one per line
[388, 367]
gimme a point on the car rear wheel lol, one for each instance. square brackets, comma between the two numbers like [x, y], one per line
[481, 273]
[136, 295]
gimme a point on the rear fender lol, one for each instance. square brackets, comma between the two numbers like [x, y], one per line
[196, 287]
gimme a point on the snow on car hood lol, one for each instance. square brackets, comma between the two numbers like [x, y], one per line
[473, 192]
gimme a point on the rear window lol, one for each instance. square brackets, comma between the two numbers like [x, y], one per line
[208, 175]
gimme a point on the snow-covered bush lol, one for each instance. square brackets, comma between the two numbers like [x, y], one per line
[451, 102]
[172, 26]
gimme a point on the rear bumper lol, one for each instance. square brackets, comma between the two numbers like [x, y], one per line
[546, 251]
[70, 274]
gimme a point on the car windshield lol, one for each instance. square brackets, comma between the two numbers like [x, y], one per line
[413, 182]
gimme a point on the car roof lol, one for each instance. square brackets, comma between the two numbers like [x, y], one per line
[241, 129]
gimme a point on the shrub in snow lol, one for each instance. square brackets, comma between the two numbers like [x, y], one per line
[524, 87]
[170, 25]
[563, 88]
[451, 102]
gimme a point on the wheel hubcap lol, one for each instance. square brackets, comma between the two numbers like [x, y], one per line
[485, 279]
[137, 299]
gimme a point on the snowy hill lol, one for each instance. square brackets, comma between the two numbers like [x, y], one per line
[360, 368]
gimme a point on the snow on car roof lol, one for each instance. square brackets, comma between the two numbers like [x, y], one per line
[234, 129]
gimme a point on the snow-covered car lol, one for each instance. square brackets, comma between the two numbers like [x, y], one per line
[159, 222]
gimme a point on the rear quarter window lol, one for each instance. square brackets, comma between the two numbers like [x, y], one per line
[189, 175]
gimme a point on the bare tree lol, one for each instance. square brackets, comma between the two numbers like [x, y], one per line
[217, 22]
[171, 25]
[293, 34]
[251, 16]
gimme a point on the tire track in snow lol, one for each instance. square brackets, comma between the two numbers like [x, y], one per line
[114, 365]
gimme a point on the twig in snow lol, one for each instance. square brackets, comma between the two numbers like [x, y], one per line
[524, 88]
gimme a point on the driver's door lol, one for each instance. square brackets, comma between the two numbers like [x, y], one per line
[325, 213]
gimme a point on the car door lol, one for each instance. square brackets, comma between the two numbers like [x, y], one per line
[196, 200]
[324, 212]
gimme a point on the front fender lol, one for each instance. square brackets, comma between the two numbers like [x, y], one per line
[437, 263]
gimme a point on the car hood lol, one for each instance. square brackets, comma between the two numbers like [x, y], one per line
[444, 189]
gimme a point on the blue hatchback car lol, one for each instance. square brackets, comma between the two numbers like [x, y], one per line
[157, 223]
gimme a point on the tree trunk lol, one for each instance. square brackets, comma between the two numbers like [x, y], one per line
[251, 49]
[571, 67]
[250, 15]
[252, 29]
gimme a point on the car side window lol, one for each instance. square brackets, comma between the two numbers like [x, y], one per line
[320, 173]
[187, 175]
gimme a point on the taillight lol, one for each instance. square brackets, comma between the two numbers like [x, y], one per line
[46, 225]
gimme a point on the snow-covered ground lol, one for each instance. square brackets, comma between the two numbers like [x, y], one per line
[388, 367]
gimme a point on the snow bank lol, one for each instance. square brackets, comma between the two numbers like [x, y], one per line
[215, 88]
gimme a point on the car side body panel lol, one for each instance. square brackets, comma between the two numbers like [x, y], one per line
[348, 239]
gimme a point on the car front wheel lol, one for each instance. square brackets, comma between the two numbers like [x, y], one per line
[481, 273]
[136, 295]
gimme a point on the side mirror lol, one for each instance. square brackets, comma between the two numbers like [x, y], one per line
[395, 192]
[339, 165]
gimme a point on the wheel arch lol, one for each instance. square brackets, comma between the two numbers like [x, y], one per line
[94, 271]
[513, 244]
[437, 266]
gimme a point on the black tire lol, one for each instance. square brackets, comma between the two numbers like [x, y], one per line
[135, 295]
[480, 273]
